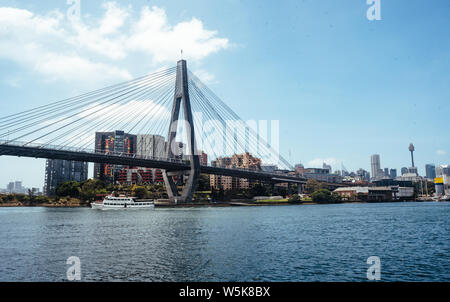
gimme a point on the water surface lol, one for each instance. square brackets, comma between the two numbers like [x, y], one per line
[273, 243]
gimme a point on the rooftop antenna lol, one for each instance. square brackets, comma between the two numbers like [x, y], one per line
[181, 54]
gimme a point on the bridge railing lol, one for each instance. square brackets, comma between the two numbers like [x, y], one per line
[87, 150]
[123, 154]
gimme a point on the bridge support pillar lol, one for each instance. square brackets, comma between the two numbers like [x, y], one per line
[182, 96]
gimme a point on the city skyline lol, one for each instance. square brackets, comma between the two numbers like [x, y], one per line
[411, 81]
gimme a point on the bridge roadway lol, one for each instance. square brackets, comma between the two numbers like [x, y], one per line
[85, 155]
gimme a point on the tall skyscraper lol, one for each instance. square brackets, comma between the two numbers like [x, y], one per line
[430, 171]
[58, 171]
[386, 172]
[112, 142]
[393, 173]
[375, 165]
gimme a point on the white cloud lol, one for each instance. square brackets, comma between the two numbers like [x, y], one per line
[94, 50]
[318, 162]
[205, 76]
[153, 34]
[441, 152]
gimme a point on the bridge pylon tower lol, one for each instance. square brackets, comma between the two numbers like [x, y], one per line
[181, 96]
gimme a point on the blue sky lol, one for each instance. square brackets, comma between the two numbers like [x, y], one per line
[343, 87]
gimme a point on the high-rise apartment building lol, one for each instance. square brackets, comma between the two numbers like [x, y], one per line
[150, 145]
[242, 161]
[112, 142]
[58, 171]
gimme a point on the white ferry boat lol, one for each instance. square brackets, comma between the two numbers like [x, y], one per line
[121, 202]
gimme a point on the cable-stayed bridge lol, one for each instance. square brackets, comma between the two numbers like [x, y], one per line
[149, 105]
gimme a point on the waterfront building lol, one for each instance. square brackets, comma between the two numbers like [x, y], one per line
[413, 170]
[135, 176]
[409, 177]
[386, 172]
[442, 185]
[58, 171]
[430, 171]
[353, 193]
[321, 174]
[240, 161]
[113, 142]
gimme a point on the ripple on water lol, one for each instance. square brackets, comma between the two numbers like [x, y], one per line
[294, 243]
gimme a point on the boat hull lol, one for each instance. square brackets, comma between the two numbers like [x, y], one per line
[101, 206]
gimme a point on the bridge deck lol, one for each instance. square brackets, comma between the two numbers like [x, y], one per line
[36, 151]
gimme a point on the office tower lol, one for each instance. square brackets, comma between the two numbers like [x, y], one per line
[386, 172]
[58, 171]
[363, 174]
[393, 173]
[430, 171]
[117, 142]
[375, 165]
[442, 170]
[10, 187]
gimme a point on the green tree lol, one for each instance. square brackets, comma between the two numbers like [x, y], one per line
[92, 187]
[69, 188]
[324, 196]
[295, 198]
[259, 190]
[312, 185]
[203, 183]
[140, 192]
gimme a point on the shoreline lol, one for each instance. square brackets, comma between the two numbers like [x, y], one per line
[243, 203]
